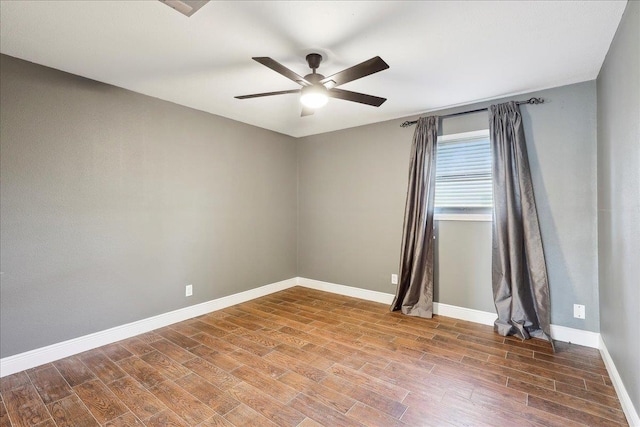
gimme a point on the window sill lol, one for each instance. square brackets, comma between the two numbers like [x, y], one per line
[463, 217]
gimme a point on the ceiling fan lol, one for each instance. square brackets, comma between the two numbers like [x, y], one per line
[317, 89]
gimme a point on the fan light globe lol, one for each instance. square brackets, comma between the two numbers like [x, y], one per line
[314, 96]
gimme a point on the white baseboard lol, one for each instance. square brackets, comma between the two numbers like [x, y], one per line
[30, 359]
[349, 291]
[625, 400]
[463, 313]
[386, 298]
[560, 333]
[575, 336]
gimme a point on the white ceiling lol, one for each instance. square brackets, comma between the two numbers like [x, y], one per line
[441, 53]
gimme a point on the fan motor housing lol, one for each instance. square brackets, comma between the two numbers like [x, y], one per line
[313, 78]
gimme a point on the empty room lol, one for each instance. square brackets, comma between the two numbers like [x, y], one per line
[319, 213]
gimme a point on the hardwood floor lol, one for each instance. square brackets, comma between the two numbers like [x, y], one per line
[306, 358]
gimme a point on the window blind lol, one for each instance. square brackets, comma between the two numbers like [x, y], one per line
[463, 175]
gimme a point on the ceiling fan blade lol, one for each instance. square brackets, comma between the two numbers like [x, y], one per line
[365, 68]
[306, 111]
[362, 98]
[258, 95]
[281, 69]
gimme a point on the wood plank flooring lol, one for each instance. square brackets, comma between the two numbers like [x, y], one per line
[307, 358]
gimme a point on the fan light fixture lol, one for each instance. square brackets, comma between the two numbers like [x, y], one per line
[314, 96]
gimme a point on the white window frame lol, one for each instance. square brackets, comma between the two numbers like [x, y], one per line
[483, 133]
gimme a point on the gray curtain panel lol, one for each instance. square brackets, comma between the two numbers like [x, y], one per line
[414, 295]
[520, 284]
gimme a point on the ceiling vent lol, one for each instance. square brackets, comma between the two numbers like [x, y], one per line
[185, 7]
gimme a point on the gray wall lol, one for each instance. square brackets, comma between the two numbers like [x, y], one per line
[351, 191]
[619, 199]
[111, 202]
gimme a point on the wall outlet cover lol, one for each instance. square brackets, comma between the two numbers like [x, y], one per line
[578, 311]
[394, 279]
[188, 290]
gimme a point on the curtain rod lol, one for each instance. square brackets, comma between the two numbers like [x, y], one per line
[528, 101]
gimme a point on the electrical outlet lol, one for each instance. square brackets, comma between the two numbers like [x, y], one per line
[394, 279]
[578, 311]
[188, 290]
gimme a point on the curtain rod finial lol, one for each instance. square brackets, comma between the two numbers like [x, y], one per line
[535, 101]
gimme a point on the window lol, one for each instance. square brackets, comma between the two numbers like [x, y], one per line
[463, 177]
